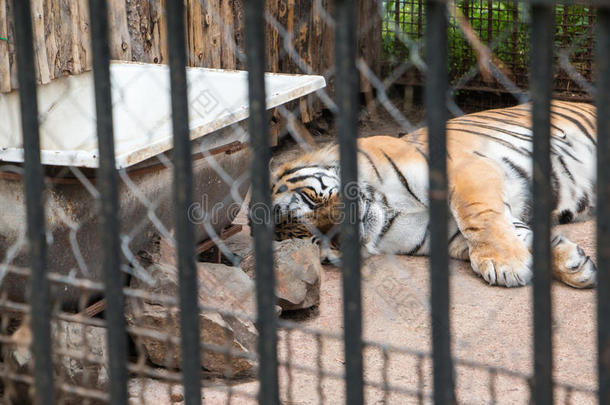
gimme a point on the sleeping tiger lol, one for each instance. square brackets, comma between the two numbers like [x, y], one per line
[490, 174]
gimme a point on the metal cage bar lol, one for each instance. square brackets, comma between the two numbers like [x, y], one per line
[262, 227]
[183, 198]
[603, 207]
[109, 207]
[543, 17]
[435, 102]
[39, 294]
[347, 131]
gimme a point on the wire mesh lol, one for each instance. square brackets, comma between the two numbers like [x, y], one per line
[397, 360]
[502, 26]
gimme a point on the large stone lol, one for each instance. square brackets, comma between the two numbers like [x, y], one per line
[154, 391]
[221, 288]
[297, 273]
[80, 354]
[240, 244]
[89, 341]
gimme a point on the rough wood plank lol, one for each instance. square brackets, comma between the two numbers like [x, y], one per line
[272, 39]
[215, 33]
[138, 25]
[75, 39]
[64, 17]
[213, 36]
[40, 48]
[84, 46]
[238, 26]
[11, 45]
[369, 34]
[120, 42]
[159, 32]
[196, 38]
[228, 48]
[5, 67]
[50, 37]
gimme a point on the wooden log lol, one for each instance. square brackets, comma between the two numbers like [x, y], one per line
[272, 39]
[84, 46]
[159, 32]
[50, 37]
[40, 48]
[11, 41]
[195, 32]
[139, 27]
[238, 26]
[212, 34]
[5, 67]
[75, 39]
[119, 39]
[228, 46]
[369, 34]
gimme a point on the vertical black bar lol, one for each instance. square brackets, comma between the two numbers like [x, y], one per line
[183, 198]
[347, 82]
[262, 228]
[603, 196]
[109, 207]
[436, 110]
[34, 185]
[541, 74]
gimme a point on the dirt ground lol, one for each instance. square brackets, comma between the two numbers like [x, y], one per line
[489, 325]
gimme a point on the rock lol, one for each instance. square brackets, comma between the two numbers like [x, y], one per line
[152, 391]
[297, 273]
[78, 338]
[220, 286]
[160, 251]
[81, 353]
[240, 244]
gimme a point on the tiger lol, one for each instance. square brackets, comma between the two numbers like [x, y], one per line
[489, 170]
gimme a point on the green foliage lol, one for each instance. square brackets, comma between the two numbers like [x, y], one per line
[503, 25]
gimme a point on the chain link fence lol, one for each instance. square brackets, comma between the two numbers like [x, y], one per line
[129, 272]
[504, 28]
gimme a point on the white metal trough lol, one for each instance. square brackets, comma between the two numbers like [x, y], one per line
[141, 111]
[142, 130]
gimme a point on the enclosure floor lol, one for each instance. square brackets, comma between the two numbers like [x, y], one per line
[490, 325]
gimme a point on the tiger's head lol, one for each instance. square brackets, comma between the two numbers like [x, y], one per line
[305, 196]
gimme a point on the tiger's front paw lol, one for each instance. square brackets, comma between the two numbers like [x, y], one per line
[509, 268]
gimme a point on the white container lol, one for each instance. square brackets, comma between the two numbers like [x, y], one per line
[141, 111]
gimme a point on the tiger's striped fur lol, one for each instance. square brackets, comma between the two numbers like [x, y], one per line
[490, 169]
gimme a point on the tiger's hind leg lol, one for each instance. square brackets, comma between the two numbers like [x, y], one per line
[570, 263]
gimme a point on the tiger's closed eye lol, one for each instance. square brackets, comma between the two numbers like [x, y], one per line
[281, 189]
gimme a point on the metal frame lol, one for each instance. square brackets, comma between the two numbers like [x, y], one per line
[347, 109]
[603, 207]
[109, 207]
[437, 88]
[34, 190]
[183, 198]
[347, 129]
[540, 89]
[262, 226]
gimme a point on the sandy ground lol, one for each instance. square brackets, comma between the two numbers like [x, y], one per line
[490, 326]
